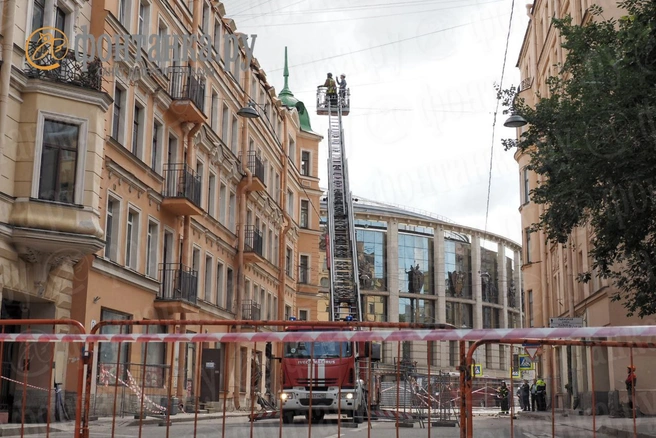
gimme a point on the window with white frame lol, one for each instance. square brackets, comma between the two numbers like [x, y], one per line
[289, 254]
[137, 129]
[118, 113]
[234, 143]
[529, 258]
[304, 269]
[223, 190]
[112, 228]
[209, 262]
[199, 173]
[225, 123]
[276, 247]
[217, 38]
[220, 288]
[211, 195]
[276, 190]
[526, 186]
[152, 244]
[60, 162]
[290, 203]
[270, 247]
[214, 111]
[157, 146]
[38, 15]
[305, 214]
[303, 314]
[232, 209]
[288, 312]
[143, 18]
[268, 312]
[132, 239]
[123, 12]
[230, 305]
[292, 151]
[305, 163]
[207, 13]
[162, 32]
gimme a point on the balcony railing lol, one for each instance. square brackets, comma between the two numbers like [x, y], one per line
[255, 165]
[70, 70]
[253, 240]
[178, 282]
[180, 181]
[184, 84]
[250, 310]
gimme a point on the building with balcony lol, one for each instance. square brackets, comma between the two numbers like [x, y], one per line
[138, 191]
[419, 267]
[549, 270]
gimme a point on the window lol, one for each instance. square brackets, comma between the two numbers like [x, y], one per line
[206, 18]
[229, 291]
[208, 278]
[303, 315]
[225, 123]
[162, 32]
[305, 219]
[290, 203]
[144, 12]
[276, 190]
[132, 239]
[288, 262]
[156, 150]
[116, 117]
[199, 174]
[153, 355]
[123, 12]
[234, 145]
[58, 161]
[152, 241]
[231, 211]
[109, 353]
[304, 270]
[137, 130]
[372, 255]
[219, 285]
[60, 19]
[527, 232]
[288, 312]
[111, 229]
[211, 194]
[526, 186]
[530, 308]
[305, 163]
[217, 37]
[38, 13]
[214, 112]
[222, 203]
[292, 151]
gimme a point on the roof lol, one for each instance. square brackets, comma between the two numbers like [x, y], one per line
[287, 98]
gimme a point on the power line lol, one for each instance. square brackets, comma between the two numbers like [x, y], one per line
[268, 13]
[496, 110]
[402, 40]
[302, 23]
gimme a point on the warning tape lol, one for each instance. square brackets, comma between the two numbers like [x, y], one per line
[134, 388]
[26, 384]
[525, 334]
[392, 414]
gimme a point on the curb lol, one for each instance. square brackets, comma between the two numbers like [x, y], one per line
[623, 433]
[176, 419]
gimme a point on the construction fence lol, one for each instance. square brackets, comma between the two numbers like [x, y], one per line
[223, 378]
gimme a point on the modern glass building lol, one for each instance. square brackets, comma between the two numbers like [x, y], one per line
[420, 267]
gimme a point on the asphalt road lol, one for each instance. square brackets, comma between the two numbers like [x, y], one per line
[239, 427]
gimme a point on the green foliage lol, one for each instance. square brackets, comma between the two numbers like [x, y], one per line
[592, 141]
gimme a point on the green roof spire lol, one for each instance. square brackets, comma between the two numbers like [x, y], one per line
[287, 98]
[285, 89]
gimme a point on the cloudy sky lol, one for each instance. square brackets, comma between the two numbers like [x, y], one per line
[422, 76]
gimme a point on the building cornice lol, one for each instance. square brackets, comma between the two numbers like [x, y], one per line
[123, 174]
[71, 92]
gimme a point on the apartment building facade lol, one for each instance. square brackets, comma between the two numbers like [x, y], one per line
[137, 189]
[549, 270]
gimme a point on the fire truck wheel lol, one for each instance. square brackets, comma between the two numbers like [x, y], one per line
[287, 417]
[358, 416]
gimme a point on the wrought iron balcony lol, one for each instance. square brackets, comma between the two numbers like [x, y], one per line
[186, 88]
[178, 282]
[61, 65]
[182, 190]
[253, 245]
[256, 168]
[250, 310]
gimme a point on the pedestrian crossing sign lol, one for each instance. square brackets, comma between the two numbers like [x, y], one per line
[478, 370]
[525, 362]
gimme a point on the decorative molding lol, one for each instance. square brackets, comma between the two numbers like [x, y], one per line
[70, 92]
[123, 274]
[123, 174]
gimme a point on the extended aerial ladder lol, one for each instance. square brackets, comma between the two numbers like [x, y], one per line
[341, 249]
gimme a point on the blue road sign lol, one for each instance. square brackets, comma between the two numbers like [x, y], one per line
[525, 363]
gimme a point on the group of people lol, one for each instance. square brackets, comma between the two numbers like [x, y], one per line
[530, 396]
[331, 87]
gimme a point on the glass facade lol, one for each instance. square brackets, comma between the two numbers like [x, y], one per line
[372, 255]
[490, 282]
[491, 317]
[460, 315]
[415, 310]
[513, 299]
[374, 308]
[415, 264]
[457, 269]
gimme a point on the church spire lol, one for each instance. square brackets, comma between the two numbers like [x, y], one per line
[285, 89]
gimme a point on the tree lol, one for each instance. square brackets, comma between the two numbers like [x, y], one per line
[592, 142]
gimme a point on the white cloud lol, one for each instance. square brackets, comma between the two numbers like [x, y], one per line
[420, 128]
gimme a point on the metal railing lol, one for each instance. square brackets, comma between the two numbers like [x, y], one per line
[70, 70]
[250, 310]
[178, 282]
[185, 84]
[180, 181]
[253, 240]
[256, 166]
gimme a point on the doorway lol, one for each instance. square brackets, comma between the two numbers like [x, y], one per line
[211, 372]
[10, 351]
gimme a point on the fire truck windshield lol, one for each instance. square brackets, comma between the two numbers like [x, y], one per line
[317, 350]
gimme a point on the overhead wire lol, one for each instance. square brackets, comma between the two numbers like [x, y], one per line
[496, 110]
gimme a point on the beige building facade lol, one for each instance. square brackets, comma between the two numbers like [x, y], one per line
[549, 270]
[136, 190]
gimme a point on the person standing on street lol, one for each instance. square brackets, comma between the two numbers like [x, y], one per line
[630, 382]
[534, 395]
[525, 390]
[542, 394]
[503, 393]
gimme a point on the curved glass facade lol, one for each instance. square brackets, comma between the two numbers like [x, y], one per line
[415, 264]
[490, 276]
[372, 257]
[416, 310]
[457, 269]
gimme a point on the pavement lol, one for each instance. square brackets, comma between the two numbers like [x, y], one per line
[645, 427]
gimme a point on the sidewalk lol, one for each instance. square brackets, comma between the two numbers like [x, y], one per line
[618, 427]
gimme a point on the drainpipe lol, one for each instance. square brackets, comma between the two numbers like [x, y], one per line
[7, 62]
[242, 190]
[282, 245]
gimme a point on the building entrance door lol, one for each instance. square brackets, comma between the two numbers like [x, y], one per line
[210, 375]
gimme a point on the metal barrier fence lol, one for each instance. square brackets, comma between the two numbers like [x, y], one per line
[225, 378]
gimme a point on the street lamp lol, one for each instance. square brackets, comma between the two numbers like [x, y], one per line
[250, 112]
[515, 121]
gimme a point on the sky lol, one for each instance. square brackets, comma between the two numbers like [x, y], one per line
[422, 76]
